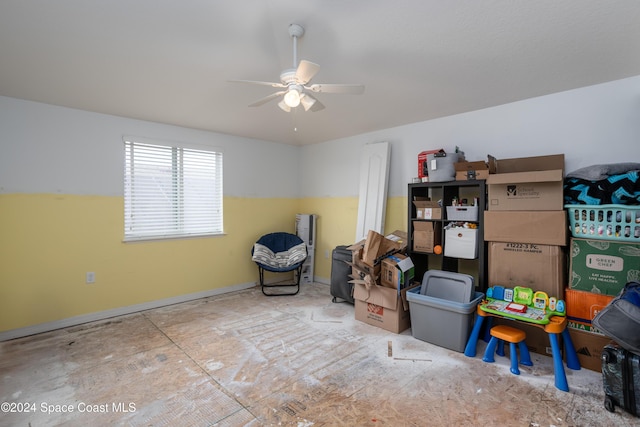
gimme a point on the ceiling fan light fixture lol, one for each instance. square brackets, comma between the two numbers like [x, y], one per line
[292, 97]
[295, 83]
[284, 107]
[307, 102]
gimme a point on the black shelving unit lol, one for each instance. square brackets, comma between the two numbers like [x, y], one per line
[447, 192]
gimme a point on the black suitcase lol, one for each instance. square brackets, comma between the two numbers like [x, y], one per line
[621, 379]
[340, 271]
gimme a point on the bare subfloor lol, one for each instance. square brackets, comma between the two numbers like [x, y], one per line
[245, 359]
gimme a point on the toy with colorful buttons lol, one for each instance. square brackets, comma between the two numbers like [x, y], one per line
[523, 297]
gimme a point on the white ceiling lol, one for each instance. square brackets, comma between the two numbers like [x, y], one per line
[170, 61]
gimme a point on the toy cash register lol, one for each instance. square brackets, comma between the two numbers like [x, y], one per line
[522, 303]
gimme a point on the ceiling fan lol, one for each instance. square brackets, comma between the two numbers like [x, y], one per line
[295, 83]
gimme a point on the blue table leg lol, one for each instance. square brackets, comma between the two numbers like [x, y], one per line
[472, 343]
[572, 356]
[558, 366]
[487, 329]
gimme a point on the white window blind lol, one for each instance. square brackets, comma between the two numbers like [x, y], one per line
[171, 191]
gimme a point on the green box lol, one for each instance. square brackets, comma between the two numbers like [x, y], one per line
[603, 266]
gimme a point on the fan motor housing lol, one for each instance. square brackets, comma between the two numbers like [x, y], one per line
[288, 76]
[296, 30]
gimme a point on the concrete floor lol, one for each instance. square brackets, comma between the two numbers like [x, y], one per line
[243, 359]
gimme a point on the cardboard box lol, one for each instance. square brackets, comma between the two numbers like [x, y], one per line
[377, 247]
[603, 266]
[527, 183]
[582, 307]
[382, 307]
[426, 235]
[427, 209]
[539, 267]
[461, 242]
[359, 269]
[584, 327]
[589, 348]
[399, 239]
[368, 253]
[526, 164]
[372, 248]
[471, 170]
[397, 272]
[536, 227]
[526, 191]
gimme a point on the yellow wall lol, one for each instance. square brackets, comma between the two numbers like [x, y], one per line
[337, 222]
[49, 242]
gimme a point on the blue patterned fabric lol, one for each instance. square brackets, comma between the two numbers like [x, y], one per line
[621, 189]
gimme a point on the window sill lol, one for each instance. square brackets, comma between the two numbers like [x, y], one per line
[176, 237]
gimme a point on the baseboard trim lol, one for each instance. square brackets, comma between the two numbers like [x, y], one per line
[102, 315]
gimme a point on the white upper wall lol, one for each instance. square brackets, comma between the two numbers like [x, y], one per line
[592, 125]
[50, 149]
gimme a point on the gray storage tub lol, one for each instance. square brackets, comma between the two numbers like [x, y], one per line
[441, 166]
[455, 287]
[442, 310]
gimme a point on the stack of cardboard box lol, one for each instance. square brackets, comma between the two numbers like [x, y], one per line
[426, 234]
[599, 269]
[526, 230]
[382, 274]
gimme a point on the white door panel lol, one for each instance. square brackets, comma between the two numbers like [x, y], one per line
[374, 176]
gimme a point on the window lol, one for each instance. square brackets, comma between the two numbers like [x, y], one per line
[171, 191]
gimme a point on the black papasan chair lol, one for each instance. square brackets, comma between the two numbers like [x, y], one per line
[279, 252]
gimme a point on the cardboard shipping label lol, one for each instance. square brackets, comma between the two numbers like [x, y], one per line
[605, 262]
[378, 310]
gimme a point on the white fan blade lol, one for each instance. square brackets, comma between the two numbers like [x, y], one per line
[267, 98]
[305, 72]
[254, 82]
[336, 88]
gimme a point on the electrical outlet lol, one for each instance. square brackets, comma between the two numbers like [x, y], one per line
[326, 254]
[91, 277]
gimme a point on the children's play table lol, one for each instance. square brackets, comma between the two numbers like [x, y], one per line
[523, 305]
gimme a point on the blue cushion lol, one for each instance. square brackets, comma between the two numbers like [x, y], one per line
[280, 241]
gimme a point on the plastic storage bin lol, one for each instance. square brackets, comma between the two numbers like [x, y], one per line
[462, 213]
[605, 222]
[456, 287]
[461, 242]
[441, 166]
[441, 322]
